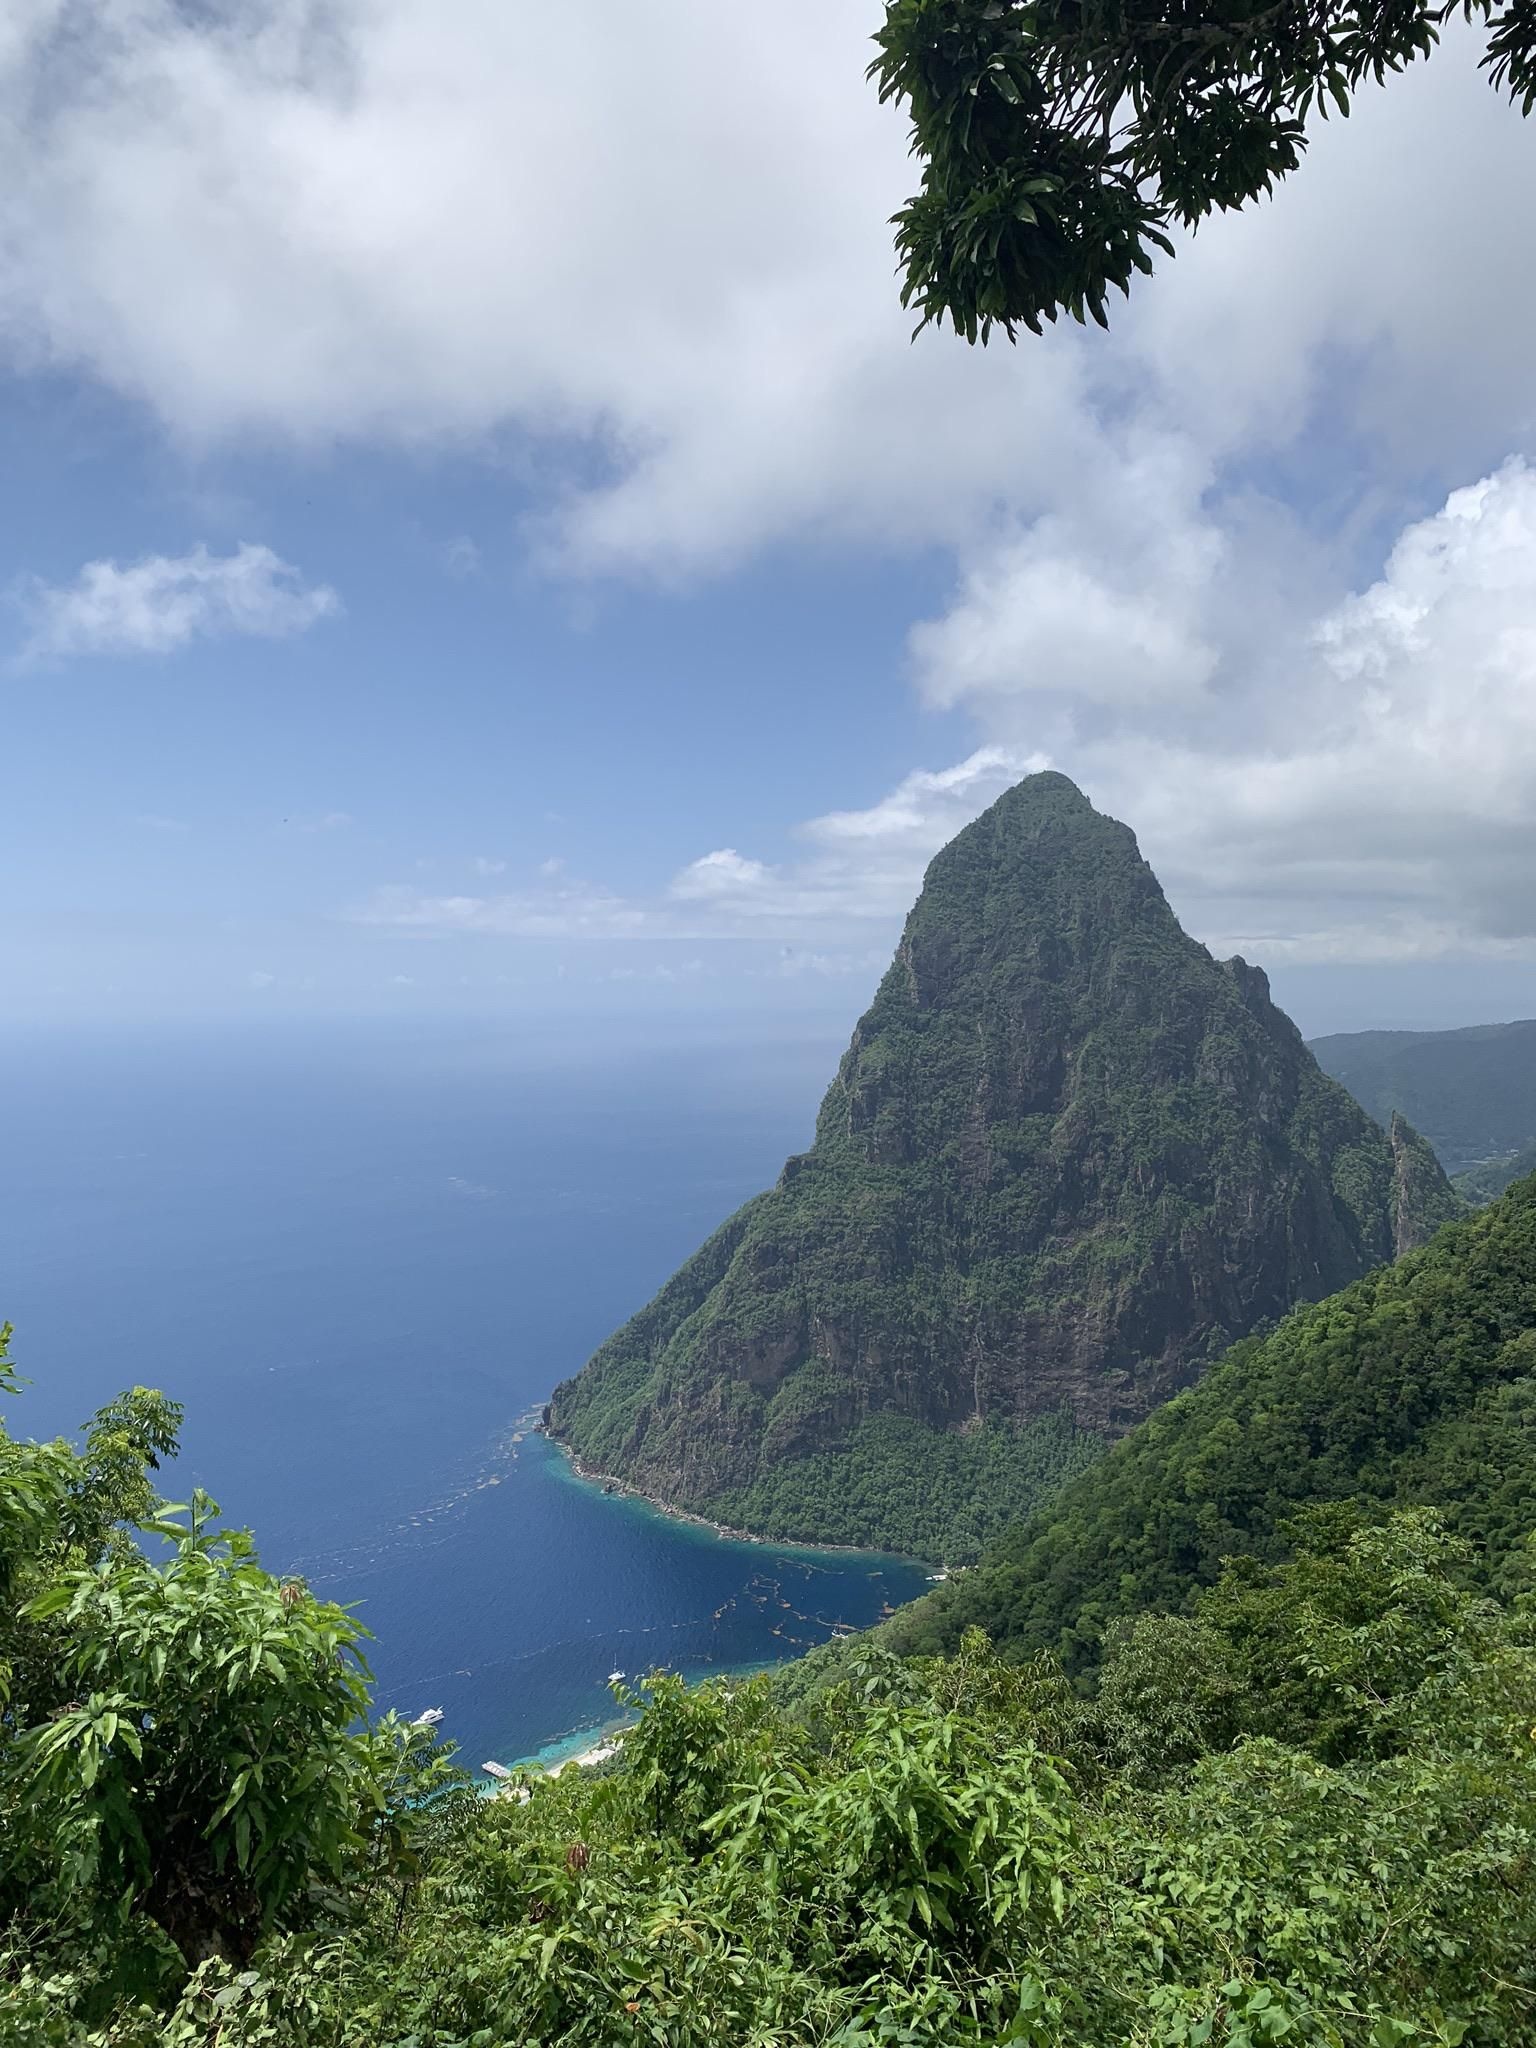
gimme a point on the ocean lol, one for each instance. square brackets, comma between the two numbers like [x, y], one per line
[362, 1257]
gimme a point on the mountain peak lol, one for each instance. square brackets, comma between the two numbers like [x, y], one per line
[1066, 1158]
[1046, 810]
[1045, 790]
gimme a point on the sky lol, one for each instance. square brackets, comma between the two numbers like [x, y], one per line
[477, 536]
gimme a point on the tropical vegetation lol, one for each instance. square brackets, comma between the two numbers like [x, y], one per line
[1252, 1759]
[1471, 1092]
[1066, 1160]
[1063, 141]
[1415, 1385]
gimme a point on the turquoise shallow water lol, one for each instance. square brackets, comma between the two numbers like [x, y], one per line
[361, 1259]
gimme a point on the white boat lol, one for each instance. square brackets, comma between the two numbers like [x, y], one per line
[429, 1718]
[614, 1677]
[496, 1770]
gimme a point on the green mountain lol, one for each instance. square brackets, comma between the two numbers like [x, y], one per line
[1415, 1385]
[1067, 1158]
[1472, 1093]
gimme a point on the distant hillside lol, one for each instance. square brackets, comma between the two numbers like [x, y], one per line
[1416, 1385]
[1472, 1093]
[1482, 1183]
[1068, 1157]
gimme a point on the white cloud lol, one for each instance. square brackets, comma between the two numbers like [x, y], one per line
[661, 970]
[792, 965]
[414, 224]
[858, 868]
[926, 809]
[484, 865]
[723, 874]
[414, 228]
[1371, 793]
[1106, 602]
[165, 602]
[260, 978]
[1321, 301]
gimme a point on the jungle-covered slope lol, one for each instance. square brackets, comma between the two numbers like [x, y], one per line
[1472, 1092]
[1066, 1160]
[1415, 1385]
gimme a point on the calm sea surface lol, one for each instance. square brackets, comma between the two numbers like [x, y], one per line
[361, 1258]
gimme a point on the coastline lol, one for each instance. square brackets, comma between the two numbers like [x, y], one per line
[611, 1483]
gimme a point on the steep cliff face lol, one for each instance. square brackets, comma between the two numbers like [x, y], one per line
[1422, 1197]
[1067, 1157]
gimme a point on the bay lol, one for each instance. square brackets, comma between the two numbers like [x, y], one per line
[362, 1257]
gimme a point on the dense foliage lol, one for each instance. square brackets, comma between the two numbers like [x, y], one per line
[1306, 1813]
[896, 1485]
[1416, 1384]
[1471, 1092]
[1067, 1158]
[1296, 1803]
[183, 1760]
[1062, 140]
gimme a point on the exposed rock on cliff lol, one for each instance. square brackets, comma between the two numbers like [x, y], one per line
[1068, 1156]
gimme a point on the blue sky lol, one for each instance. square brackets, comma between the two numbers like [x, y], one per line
[476, 537]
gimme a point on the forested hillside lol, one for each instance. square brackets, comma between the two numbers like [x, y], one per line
[1472, 1093]
[1479, 1184]
[1300, 1809]
[1067, 1158]
[1417, 1384]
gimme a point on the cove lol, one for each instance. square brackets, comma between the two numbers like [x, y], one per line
[518, 1652]
[362, 1258]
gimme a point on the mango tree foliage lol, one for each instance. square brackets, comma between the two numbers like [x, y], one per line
[205, 1769]
[60, 1504]
[185, 1763]
[1062, 140]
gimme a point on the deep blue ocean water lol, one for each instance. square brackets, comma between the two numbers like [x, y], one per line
[361, 1257]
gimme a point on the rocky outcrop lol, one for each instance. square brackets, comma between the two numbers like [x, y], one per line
[1066, 1159]
[1422, 1197]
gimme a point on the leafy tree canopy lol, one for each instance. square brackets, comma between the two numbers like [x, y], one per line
[1061, 140]
[1300, 1810]
[1304, 1816]
[1415, 1385]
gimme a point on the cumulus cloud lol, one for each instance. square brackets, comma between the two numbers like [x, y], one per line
[400, 224]
[1366, 791]
[417, 225]
[1372, 792]
[1320, 305]
[403, 223]
[165, 602]
[1104, 602]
